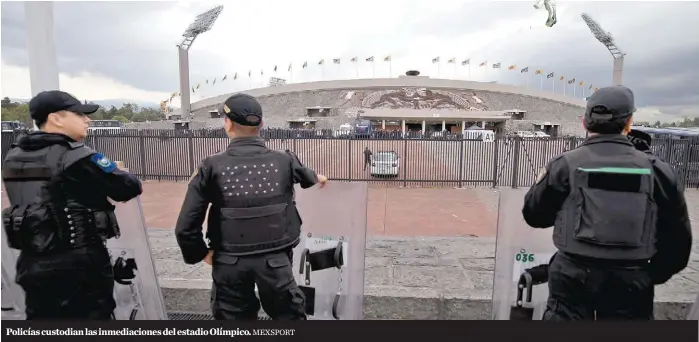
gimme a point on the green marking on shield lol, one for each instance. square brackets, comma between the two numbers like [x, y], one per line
[624, 170]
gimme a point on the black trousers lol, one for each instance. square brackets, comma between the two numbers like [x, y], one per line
[77, 284]
[233, 291]
[586, 290]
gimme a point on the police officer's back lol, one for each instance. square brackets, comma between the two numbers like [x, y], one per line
[60, 217]
[253, 223]
[619, 215]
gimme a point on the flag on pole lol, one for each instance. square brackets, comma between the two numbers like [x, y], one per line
[336, 61]
[466, 62]
[538, 72]
[496, 65]
[321, 62]
[435, 60]
[453, 60]
[571, 81]
[275, 68]
[562, 78]
[305, 64]
[526, 69]
[512, 67]
[387, 58]
[235, 77]
[353, 60]
[224, 78]
[289, 69]
[249, 73]
[370, 59]
[582, 83]
[550, 75]
[483, 64]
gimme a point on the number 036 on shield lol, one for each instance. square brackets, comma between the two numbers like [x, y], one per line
[525, 260]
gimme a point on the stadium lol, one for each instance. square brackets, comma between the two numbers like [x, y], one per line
[407, 104]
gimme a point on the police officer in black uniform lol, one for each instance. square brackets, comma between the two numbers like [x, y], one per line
[60, 217]
[252, 223]
[619, 219]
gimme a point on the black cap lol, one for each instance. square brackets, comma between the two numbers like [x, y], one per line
[610, 102]
[52, 101]
[242, 109]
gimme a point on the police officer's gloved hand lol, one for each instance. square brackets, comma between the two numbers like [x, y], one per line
[540, 274]
[124, 270]
[640, 140]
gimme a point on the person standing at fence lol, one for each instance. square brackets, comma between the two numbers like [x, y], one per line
[367, 157]
[619, 215]
[59, 215]
[253, 223]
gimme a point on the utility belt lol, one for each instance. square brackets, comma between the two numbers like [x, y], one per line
[40, 229]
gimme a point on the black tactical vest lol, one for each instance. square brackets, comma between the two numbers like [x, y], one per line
[42, 218]
[610, 212]
[257, 213]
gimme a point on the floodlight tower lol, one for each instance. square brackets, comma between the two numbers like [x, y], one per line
[41, 47]
[606, 39]
[201, 24]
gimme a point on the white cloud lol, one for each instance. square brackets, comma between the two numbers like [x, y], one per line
[91, 87]
[257, 35]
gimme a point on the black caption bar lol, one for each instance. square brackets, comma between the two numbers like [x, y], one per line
[357, 331]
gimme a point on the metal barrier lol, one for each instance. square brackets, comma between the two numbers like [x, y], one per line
[448, 161]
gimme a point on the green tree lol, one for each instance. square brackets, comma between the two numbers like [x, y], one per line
[14, 111]
[120, 118]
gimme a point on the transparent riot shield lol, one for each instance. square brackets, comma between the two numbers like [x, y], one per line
[329, 260]
[519, 288]
[136, 289]
[12, 294]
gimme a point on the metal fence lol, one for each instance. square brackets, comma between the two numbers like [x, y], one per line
[446, 162]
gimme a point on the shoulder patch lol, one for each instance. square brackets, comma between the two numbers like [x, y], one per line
[541, 175]
[103, 162]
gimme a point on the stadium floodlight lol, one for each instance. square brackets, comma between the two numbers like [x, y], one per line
[201, 24]
[606, 39]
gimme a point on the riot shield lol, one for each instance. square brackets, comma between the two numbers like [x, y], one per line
[136, 289]
[519, 292]
[12, 294]
[329, 260]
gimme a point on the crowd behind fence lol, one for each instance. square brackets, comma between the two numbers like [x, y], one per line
[450, 161]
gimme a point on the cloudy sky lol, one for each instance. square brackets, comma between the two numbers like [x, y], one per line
[127, 50]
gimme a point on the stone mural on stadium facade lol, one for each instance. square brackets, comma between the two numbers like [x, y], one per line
[421, 98]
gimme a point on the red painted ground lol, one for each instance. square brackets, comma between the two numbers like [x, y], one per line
[392, 211]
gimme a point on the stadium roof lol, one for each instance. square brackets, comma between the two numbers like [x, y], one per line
[435, 115]
[383, 83]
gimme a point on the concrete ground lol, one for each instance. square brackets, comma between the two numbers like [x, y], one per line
[430, 255]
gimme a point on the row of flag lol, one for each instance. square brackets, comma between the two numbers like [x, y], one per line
[372, 59]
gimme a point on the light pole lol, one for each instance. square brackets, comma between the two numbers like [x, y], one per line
[606, 39]
[41, 47]
[201, 24]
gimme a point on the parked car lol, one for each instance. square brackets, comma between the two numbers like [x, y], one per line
[385, 163]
